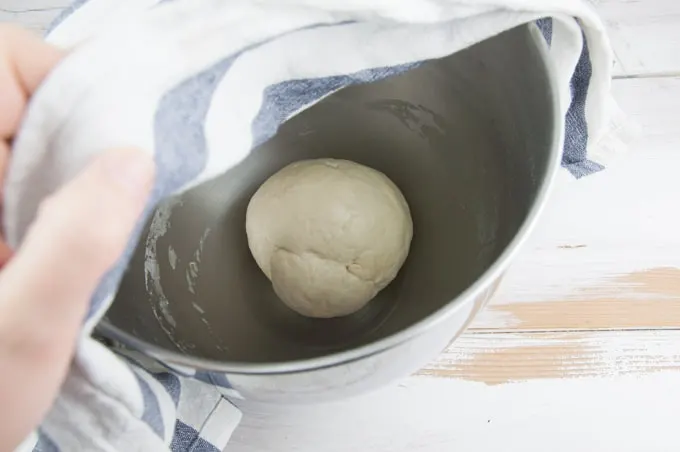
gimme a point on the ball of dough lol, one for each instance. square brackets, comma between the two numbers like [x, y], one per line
[329, 234]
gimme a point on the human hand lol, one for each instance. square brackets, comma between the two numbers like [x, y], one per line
[79, 233]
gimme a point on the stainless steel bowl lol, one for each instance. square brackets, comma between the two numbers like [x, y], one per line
[473, 142]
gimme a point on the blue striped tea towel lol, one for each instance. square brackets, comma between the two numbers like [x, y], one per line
[185, 80]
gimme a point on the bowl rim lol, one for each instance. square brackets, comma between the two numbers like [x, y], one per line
[179, 361]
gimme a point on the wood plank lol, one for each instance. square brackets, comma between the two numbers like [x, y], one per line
[561, 392]
[437, 415]
[644, 35]
[503, 358]
[643, 299]
[653, 105]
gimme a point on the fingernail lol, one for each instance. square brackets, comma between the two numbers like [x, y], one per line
[131, 169]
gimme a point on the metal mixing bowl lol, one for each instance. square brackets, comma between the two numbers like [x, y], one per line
[472, 140]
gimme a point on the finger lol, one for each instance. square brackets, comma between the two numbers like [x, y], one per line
[4, 160]
[44, 290]
[30, 57]
[5, 250]
[25, 60]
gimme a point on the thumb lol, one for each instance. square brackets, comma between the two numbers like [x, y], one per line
[77, 236]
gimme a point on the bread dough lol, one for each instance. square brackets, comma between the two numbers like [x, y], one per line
[329, 234]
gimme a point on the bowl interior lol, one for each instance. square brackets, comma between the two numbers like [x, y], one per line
[466, 138]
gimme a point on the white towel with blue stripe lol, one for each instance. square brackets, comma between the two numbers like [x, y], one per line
[199, 83]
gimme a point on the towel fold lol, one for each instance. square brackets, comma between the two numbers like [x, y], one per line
[161, 74]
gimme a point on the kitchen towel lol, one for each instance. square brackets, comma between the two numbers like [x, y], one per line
[187, 80]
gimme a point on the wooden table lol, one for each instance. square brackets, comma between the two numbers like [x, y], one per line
[580, 349]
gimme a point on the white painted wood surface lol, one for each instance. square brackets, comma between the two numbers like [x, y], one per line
[580, 349]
